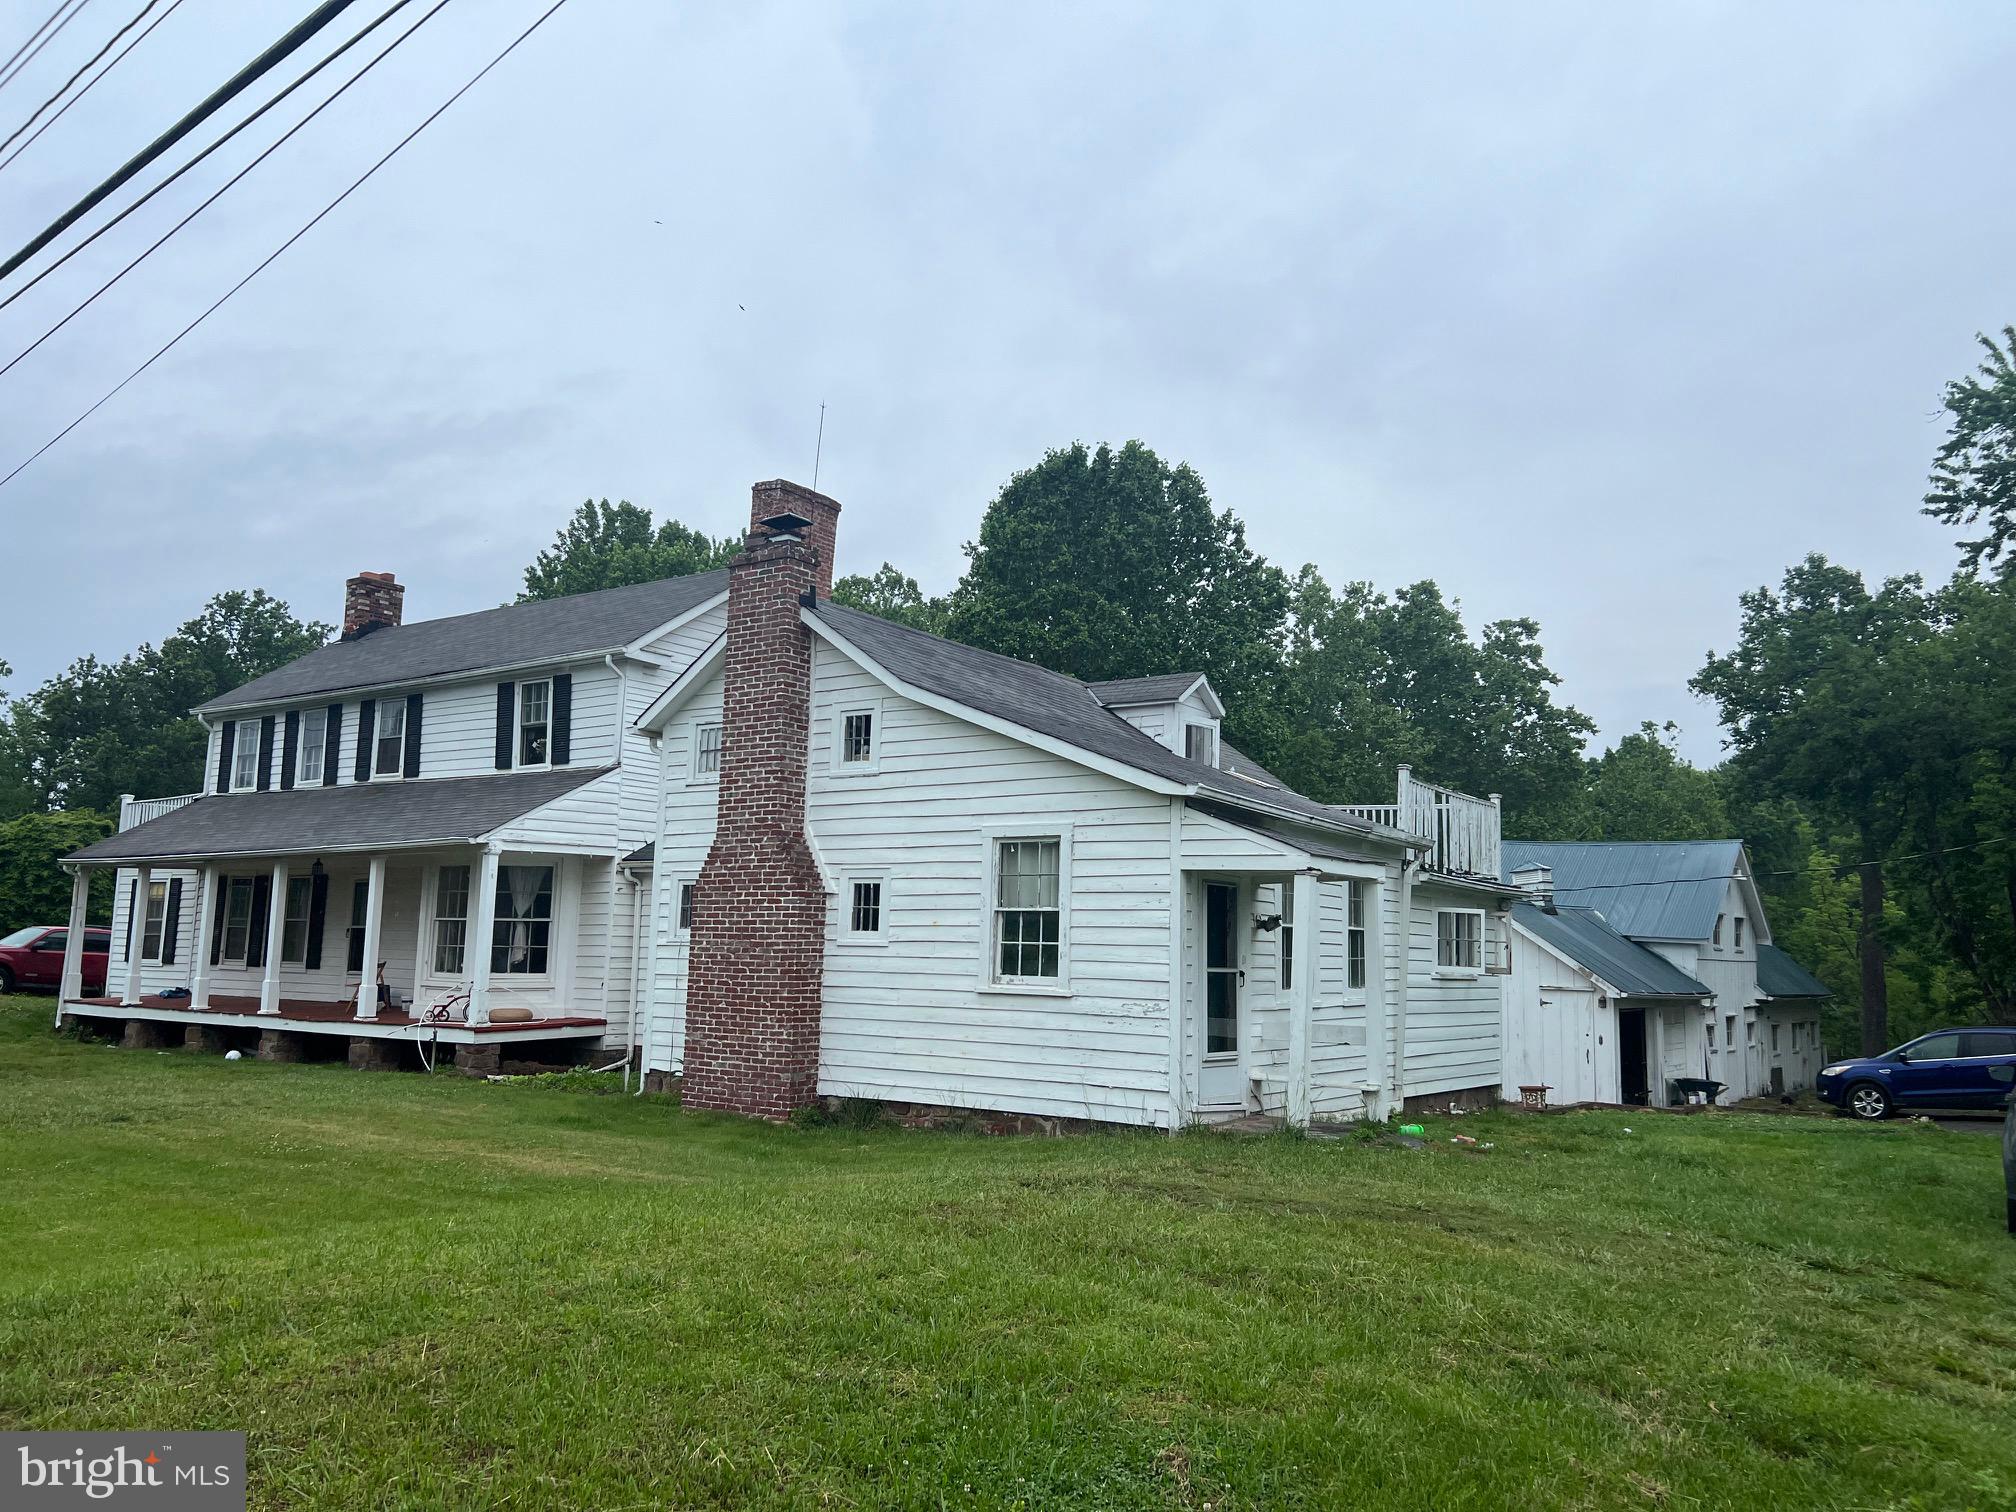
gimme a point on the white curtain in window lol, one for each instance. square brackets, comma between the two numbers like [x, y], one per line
[518, 899]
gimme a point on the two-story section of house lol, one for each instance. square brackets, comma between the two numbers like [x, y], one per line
[1670, 941]
[416, 828]
[888, 866]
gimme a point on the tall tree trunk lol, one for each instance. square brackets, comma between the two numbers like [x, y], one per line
[1875, 985]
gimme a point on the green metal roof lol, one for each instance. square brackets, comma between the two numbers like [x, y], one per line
[1779, 976]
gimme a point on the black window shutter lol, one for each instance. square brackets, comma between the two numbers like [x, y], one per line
[413, 706]
[171, 921]
[507, 715]
[225, 743]
[332, 745]
[262, 901]
[266, 753]
[367, 715]
[217, 918]
[353, 958]
[560, 739]
[132, 902]
[290, 750]
[318, 907]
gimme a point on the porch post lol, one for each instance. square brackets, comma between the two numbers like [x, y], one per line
[481, 929]
[73, 942]
[136, 936]
[199, 948]
[276, 924]
[1302, 994]
[374, 926]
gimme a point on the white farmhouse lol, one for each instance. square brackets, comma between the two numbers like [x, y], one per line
[1637, 967]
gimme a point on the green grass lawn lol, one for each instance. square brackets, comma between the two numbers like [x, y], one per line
[436, 1292]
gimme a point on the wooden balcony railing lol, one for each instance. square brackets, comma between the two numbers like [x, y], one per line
[134, 811]
[1462, 831]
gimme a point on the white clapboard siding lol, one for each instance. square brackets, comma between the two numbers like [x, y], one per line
[583, 820]
[1455, 1029]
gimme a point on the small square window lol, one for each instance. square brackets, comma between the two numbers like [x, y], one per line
[1200, 743]
[707, 751]
[1459, 939]
[864, 913]
[857, 738]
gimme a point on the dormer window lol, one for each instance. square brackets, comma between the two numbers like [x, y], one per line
[535, 719]
[1200, 743]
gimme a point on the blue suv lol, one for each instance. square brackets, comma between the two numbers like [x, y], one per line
[1949, 1068]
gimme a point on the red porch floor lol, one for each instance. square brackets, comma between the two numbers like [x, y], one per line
[303, 1010]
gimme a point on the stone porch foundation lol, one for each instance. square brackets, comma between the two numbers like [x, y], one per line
[205, 1040]
[145, 1034]
[372, 1054]
[276, 1046]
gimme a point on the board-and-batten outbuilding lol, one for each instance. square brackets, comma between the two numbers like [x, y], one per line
[1654, 965]
[1031, 895]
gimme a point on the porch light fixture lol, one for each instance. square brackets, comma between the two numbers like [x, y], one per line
[316, 869]
[1267, 923]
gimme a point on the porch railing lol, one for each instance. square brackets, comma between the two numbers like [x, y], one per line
[1462, 830]
[134, 811]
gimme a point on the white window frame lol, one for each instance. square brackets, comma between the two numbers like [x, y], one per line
[878, 937]
[1208, 728]
[1058, 986]
[553, 922]
[519, 725]
[154, 917]
[1358, 905]
[472, 875]
[1716, 939]
[685, 897]
[694, 776]
[1452, 969]
[318, 746]
[1736, 939]
[1284, 957]
[305, 887]
[871, 763]
[228, 888]
[379, 737]
[245, 756]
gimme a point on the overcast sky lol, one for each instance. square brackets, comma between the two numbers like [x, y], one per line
[1590, 314]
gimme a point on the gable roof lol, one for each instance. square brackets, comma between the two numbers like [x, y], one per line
[1653, 890]
[1067, 710]
[1128, 692]
[1584, 937]
[355, 816]
[1779, 976]
[516, 635]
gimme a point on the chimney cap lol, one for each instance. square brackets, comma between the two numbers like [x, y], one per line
[785, 524]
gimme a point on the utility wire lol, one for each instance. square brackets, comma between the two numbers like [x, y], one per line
[275, 254]
[89, 84]
[256, 115]
[220, 191]
[13, 69]
[307, 27]
[88, 64]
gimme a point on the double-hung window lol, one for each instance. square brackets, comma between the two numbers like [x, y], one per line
[707, 750]
[237, 919]
[1739, 931]
[153, 921]
[535, 722]
[360, 902]
[451, 920]
[1459, 939]
[1354, 936]
[245, 756]
[391, 738]
[520, 938]
[1287, 933]
[294, 921]
[308, 753]
[1028, 911]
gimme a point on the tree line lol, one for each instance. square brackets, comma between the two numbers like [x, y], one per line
[1871, 731]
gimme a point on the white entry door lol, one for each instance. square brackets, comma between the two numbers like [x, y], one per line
[1221, 1082]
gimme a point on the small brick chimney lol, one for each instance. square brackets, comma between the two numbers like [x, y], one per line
[371, 601]
[757, 960]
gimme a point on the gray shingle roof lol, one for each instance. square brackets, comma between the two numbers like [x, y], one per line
[1779, 976]
[1582, 935]
[582, 624]
[1657, 890]
[1061, 707]
[364, 815]
[1124, 692]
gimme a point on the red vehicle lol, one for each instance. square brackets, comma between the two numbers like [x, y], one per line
[33, 957]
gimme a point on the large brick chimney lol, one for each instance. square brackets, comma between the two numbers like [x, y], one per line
[371, 601]
[757, 959]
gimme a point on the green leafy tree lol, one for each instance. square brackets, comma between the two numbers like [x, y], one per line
[1106, 563]
[33, 888]
[606, 545]
[106, 728]
[1642, 789]
[1974, 472]
[893, 596]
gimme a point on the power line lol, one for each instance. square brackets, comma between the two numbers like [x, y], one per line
[173, 6]
[307, 27]
[200, 157]
[275, 254]
[85, 67]
[219, 193]
[15, 56]
[13, 69]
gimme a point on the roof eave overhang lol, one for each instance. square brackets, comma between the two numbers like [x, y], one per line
[206, 712]
[654, 719]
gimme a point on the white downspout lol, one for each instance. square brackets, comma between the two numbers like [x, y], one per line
[658, 790]
[636, 957]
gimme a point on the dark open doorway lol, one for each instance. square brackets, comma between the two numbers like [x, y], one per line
[1636, 1082]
